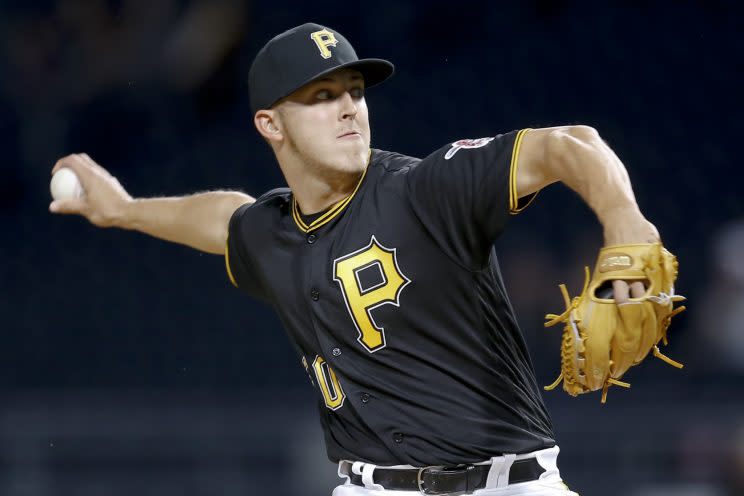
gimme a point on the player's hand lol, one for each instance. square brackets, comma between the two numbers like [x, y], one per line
[628, 226]
[104, 201]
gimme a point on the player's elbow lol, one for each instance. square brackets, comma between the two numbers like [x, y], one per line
[567, 136]
[217, 242]
[566, 142]
[581, 132]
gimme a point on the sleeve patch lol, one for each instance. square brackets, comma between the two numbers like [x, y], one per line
[466, 143]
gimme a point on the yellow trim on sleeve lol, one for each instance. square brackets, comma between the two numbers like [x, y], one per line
[227, 263]
[514, 207]
[330, 214]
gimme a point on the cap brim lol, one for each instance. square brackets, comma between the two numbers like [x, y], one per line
[374, 71]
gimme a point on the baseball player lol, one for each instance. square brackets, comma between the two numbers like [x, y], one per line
[382, 270]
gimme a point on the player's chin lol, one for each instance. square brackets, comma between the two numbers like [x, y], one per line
[350, 162]
[352, 142]
[351, 150]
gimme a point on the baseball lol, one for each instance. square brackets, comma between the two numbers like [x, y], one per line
[65, 185]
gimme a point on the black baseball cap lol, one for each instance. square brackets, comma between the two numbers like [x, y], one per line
[301, 55]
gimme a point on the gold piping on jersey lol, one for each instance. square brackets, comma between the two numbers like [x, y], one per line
[330, 214]
[227, 262]
[514, 207]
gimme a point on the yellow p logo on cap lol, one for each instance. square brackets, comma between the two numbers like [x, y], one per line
[324, 39]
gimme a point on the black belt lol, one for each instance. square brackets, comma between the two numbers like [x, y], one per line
[448, 480]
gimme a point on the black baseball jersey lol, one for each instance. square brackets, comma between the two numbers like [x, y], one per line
[395, 303]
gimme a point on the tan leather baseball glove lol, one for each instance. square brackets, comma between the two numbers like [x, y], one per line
[603, 339]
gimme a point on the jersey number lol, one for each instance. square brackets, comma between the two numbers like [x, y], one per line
[360, 301]
[330, 388]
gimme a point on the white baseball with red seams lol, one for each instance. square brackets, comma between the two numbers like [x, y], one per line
[65, 185]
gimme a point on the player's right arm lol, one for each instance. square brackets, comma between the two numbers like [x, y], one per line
[199, 221]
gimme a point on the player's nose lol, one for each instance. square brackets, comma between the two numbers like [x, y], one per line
[348, 106]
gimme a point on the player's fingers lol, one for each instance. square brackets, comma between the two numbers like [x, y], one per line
[637, 289]
[94, 165]
[75, 163]
[649, 334]
[69, 161]
[69, 206]
[620, 291]
[631, 339]
[85, 172]
[626, 340]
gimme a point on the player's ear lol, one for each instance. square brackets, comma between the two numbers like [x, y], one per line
[268, 125]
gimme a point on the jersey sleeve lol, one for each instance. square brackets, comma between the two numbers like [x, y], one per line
[240, 269]
[465, 192]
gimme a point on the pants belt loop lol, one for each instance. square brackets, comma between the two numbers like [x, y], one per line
[498, 476]
[369, 483]
[344, 470]
[548, 459]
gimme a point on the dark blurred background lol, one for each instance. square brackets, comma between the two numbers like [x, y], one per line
[129, 366]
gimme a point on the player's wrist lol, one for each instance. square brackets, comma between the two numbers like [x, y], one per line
[126, 213]
[625, 225]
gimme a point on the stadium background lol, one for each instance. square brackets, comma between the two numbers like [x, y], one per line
[130, 366]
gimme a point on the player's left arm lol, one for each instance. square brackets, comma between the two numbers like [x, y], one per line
[579, 158]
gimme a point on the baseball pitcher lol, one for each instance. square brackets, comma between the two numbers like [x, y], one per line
[382, 270]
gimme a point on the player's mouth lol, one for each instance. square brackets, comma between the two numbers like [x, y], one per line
[350, 135]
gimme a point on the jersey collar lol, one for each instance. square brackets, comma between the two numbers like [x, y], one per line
[332, 212]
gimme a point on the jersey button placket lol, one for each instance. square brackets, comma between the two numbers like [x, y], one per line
[311, 238]
[314, 294]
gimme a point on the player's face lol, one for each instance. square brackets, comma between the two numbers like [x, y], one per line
[326, 123]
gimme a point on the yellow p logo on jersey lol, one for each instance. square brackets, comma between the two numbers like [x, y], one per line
[324, 39]
[361, 301]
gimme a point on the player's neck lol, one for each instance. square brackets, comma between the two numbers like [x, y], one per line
[316, 188]
[315, 194]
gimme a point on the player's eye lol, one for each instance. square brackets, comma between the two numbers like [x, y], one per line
[323, 95]
[357, 92]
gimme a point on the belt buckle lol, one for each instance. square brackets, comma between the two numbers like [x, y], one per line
[440, 468]
[420, 480]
